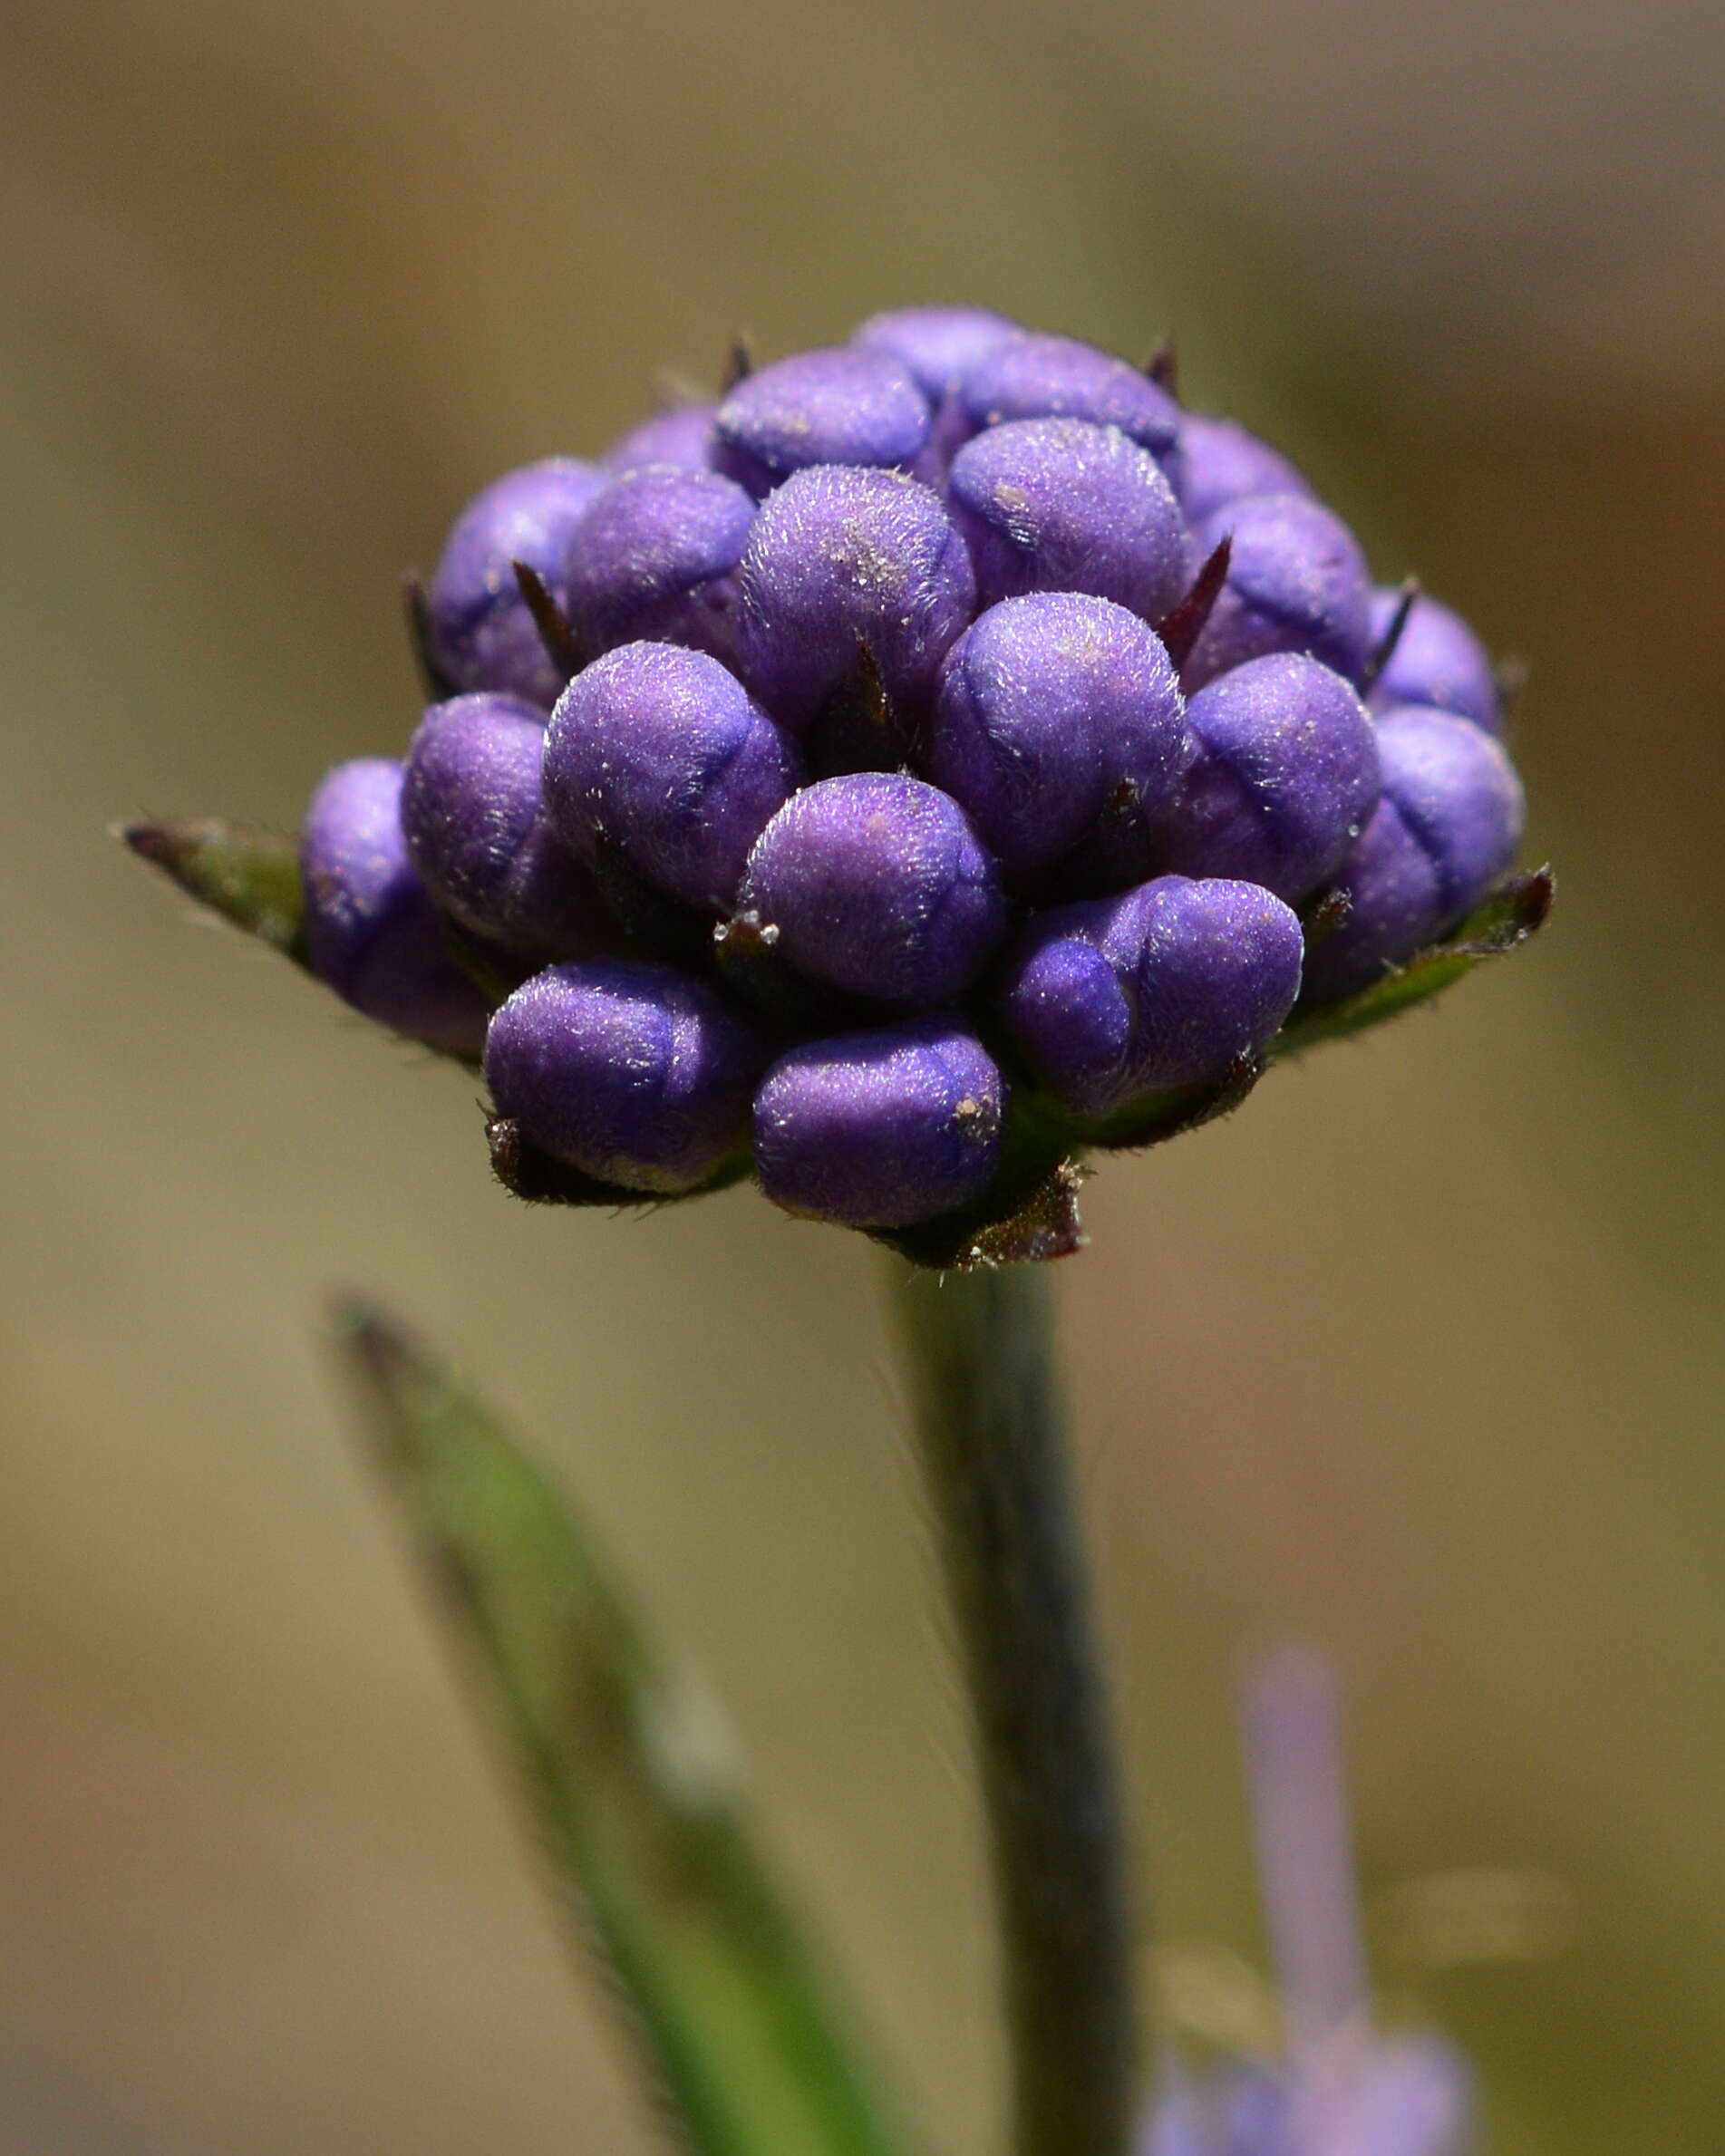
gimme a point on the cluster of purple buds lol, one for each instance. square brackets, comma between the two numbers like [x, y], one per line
[940, 755]
[1337, 2085]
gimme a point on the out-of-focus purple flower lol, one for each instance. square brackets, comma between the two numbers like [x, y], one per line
[1114, 999]
[372, 931]
[880, 1129]
[1061, 505]
[1446, 829]
[635, 1074]
[470, 815]
[1036, 377]
[1049, 706]
[1437, 660]
[938, 344]
[841, 559]
[654, 556]
[877, 885]
[1221, 463]
[840, 406]
[1341, 2088]
[1296, 582]
[682, 437]
[1286, 779]
[662, 753]
[482, 634]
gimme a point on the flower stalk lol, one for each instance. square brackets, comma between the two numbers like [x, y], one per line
[979, 1356]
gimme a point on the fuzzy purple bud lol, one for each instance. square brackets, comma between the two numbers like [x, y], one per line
[1284, 782]
[1115, 1000]
[832, 407]
[682, 437]
[1296, 582]
[1221, 463]
[635, 1074]
[1049, 706]
[1446, 829]
[482, 634]
[877, 884]
[938, 344]
[838, 560]
[372, 931]
[1437, 660]
[1036, 377]
[880, 1129]
[654, 556]
[663, 753]
[1060, 505]
[470, 815]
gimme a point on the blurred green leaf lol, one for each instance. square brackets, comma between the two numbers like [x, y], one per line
[249, 876]
[1515, 910]
[626, 1773]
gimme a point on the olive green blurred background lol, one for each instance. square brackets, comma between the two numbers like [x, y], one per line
[1420, 1356]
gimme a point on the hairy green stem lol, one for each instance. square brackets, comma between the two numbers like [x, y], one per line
[979, 1355]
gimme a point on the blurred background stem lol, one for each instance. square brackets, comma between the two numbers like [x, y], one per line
[978, 1351]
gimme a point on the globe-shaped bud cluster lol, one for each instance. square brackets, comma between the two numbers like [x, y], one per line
[936, 738]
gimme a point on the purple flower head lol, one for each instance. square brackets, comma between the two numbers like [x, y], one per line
[635, 1074]
[662, 753]
[875, 884]
[372, 931]
[652, 557]
[1061, 505]
[1341, 2089]
[880, 1129]
[1446, 829]
[682, 437]
[836, 407]
[1286, 779]
[1221, 463]
[470, 815]
[1049, 706]
[903, 698]
[1114, 999]
[482, 635]
[938, 344]
[1297, 582]
[1036, 377]
[1437, 660]
[837, 559]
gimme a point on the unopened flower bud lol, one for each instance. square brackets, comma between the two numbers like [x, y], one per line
[663, 753]
[938, 344]
[1221, 463]
[654, 556]
[834, 407]
[682, 437]
[470, 815]
[482, 634]
[372, 933]
[1114, 999]
[1446, 829]
[1437, 660]
[1061, 505]
[635, 1074]
[1296, 582]
[877, 884]
[840, 560]
[1035, 377]
[1049, 706]
[1285, 781]
[880, 1129]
